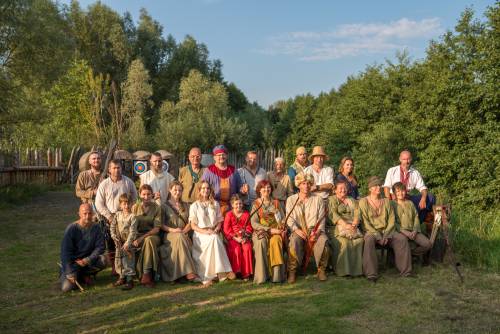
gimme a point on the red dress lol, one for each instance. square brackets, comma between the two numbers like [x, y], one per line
[240, 255]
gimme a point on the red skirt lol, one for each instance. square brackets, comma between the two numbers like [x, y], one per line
[240, 256]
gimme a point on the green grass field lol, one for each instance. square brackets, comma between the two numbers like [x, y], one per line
[434, 302]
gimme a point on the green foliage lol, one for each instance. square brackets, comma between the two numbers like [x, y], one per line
[200, 118]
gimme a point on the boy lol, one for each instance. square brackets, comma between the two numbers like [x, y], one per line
[124, 231]
[407, 221]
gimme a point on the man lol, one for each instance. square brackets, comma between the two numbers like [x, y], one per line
[307, 223]
[251, 174]
[82, 250]
[109, 191]
[223, 178]
[88, 181]
[190, 175]
[323, 176]
[412, 179]
[282, 185]
[107, 201]
[158, 179]
[379, 221]
[298, 165]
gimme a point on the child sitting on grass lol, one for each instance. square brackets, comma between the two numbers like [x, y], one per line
[124, 231]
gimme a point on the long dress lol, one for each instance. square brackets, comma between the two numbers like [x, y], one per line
[209, 253]
[148, 259]
[347, 252]
[240, 255]
[269, 259]
[175, 253]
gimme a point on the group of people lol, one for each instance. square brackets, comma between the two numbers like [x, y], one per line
[218, 222]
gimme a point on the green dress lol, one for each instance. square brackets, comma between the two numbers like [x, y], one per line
[148, 259]
[347, 252]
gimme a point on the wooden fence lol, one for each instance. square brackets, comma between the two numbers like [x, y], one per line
[32, 166]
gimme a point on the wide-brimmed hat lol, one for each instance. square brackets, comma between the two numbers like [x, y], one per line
[374, 181]
[300, 150]
[318, 150]
[303, 177]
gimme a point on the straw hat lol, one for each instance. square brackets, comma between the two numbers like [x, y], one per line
[302, 177]
[318, 150]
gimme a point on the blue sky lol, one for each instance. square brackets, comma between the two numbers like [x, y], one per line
[276, 49]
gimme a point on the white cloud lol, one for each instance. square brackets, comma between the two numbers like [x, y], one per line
[352, 39]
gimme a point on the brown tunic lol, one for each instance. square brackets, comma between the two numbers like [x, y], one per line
[86, 184]
[188, 184]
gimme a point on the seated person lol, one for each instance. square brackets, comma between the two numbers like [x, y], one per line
[379, 226]
[407, 222]
[238, 232]
[148, 216]
[82, 250]
[123, 232]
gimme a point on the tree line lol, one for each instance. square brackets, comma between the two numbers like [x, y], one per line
[73, 76]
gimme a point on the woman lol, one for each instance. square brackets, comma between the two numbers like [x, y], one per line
[238, 233]
[223, 178]
[268, 236]
[347, 240]
[209, 253]
[148, 216]
[175, 253]
[346, 174]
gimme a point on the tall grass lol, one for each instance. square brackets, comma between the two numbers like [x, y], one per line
[476, 237]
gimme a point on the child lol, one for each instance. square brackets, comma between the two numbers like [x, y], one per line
[238, 232]
[407, 221]
[124, 231]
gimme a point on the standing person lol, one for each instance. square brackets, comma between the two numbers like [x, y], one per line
[347, 239]
[268, 238]
[407, 222]
[82, 250]
[323, 175]
[412, 179]
[158, 179]
[148, 215]
[223, 179]
[107, 201]
[282, 185]
[175, 253]
[123, 232]
[346, 174]
[251, 174]
[379, 224]
[190, 175]
[88, 181]
[298, 165]
[238, 232]
[209, 253]
[307, 223]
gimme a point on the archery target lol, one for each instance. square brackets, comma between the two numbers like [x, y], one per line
[140, 167]
[165, 165]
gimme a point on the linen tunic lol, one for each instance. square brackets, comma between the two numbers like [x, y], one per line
[108, 193]
[380, 226]
[415, 180]
[188, 184]
[252, 180]
[159, 182]
[86, 183]
[325, 176]
[147, 219]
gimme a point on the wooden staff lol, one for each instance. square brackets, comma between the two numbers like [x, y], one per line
[76, 281]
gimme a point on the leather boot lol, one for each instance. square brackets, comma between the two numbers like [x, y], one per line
[119, 282]
[292, 269]
[129, 285]
[323, 264]
[147, 280]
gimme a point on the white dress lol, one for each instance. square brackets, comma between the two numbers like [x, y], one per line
[209, 252]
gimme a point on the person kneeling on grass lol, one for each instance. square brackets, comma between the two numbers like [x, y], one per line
[407, 221]
[82, 250]
[123, 232]
[379, 224]
[209, 253]
[148, 215]
[238, 233]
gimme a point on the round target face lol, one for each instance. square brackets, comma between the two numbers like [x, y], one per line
[140, 167]
[165, 166]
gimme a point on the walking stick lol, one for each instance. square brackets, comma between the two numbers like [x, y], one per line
[76, 281]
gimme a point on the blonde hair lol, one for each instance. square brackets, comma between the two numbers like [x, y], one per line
[211, 195]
